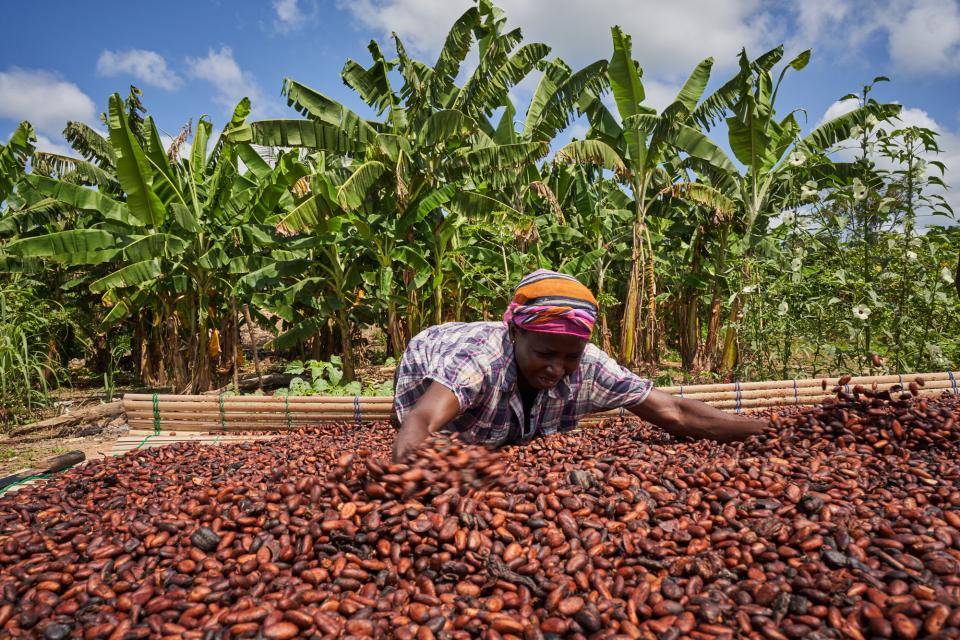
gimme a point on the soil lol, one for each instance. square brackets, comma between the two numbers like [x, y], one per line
[14, 458]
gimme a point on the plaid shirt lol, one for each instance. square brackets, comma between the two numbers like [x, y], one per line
[475, 361]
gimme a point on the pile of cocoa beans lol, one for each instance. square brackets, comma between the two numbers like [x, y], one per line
[840, 521]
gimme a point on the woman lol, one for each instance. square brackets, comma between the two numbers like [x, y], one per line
[532, 375]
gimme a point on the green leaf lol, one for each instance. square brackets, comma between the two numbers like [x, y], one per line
[90, 144]
[83, 198]
[693, 88]
[373, 82]
[62, 245]
[129, 276]
[704, 195]
[700, 146]
[800, 61]
[593, 152]
[351, 193]
[185, 217]
[563, 103]
[447, 125]
[119, 311]
[301, 133]
[133, 170]
[838, 129]
[252, 160]
[315, 105]
[155, 245]
[198, 150]
[625, 76]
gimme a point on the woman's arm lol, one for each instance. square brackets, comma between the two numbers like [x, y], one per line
[429, 414]
[686, 417]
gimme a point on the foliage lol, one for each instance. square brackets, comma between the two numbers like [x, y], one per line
[338, 227]
[31, 328]
[327, 378]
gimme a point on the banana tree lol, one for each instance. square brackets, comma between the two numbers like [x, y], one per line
[170, 245]
[641, 148]
[773, 154]
[431, 162]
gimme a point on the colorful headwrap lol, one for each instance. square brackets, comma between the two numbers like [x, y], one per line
[551, 302]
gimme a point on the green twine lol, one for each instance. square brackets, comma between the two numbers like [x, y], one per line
[18, 482]
[156, 415]
[29, 478]
[156, 422]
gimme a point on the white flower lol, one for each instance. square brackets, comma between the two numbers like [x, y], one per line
[796, 263]
[783, 308]
[787, 216]
[861, 312]
[885, 205]
[946, 276]
[911, 256]
[856, 132]
[871, 148]
[871, 121]
[749, 288]
[797, 158]
[920, 167]
[859, 190]
[808, 190]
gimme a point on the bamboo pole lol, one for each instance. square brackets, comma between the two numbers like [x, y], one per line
[799, 391]
[169, 397]
[905, 378]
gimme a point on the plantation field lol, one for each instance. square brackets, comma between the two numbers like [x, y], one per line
[725, 235]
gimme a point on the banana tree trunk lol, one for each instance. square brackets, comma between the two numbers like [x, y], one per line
[690, 315]
[709, 356]
[343, 324]
[253, 345]
[235, 338]
[729, 358]
[651, 338]
[393, 328]
[631, 306]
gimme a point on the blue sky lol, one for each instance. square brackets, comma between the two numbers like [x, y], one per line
[62, 59]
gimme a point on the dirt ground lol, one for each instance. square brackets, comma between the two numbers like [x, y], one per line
[19, 457]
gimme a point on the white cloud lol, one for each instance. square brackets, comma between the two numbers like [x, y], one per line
[924, 36]
[838, 108]
[59, 147]
[229, 81]
[43, 98]
[148, 67]
[289, 15]
[669, 38]
[660, 95]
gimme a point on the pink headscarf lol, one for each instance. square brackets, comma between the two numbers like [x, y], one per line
[551, 302]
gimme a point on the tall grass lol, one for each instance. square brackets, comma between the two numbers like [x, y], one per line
[29, 328]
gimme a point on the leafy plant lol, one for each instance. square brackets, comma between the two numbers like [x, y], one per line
[317, 377]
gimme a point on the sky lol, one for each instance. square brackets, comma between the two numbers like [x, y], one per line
[63, 59]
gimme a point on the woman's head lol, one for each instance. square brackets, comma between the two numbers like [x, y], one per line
[543, 359]
[550, 317]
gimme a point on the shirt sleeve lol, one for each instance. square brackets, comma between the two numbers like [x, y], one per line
[613, 386]
[463, 375]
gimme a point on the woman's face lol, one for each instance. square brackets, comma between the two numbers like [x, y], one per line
[544, 358]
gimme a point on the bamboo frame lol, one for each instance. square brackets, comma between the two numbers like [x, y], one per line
[221, 414]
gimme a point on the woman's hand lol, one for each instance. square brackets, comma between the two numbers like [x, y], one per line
[409, 438]
[435, 408]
